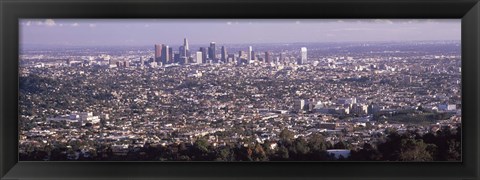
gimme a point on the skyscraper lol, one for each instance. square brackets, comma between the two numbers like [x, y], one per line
[230, 58]
[199, 58]
[165, 54]
[211, 52]
[176, 57]
[224, 54]
[268, 57]
[183, 52]
[185, 45]
[303, 54]
[158, 52]
[170, 55]
[250, 53]
[204, 54]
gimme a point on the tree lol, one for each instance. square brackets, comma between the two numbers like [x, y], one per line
[317, 143]
[340, 145]
[282, 153]
[200, 149]
[286, 136]
[300, 149]
[259, 154]
[225, 153]
[367, 153]
[414, 150]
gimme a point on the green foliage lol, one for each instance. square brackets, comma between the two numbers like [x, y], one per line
[443, 145]
[286, 136]
[414, 150]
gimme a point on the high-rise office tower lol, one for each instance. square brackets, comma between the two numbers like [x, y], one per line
[158, 52]
[142, 62]
[250, 53]
[199, 58]
[224, 54]
[230, 58]
[268, 57]
[181, 50]
[185, 45]
[170, 55]
[165, 54]
[176, 57]
[303, 57]
[211, 53]
[209, 49]
[204, 54]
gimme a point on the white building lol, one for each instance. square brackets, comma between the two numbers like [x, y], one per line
[82, 117]
[303, 55]
[299, 104]
[447, 107]
[249, 55]
[198, 58]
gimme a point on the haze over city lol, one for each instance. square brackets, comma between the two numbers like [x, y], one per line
[141, 32]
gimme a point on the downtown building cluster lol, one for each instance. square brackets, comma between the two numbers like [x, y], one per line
[165, 55]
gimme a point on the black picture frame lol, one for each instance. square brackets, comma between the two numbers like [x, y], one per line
[12, 10]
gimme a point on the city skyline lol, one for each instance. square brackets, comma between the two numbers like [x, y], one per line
[230, 98]
[141, 32]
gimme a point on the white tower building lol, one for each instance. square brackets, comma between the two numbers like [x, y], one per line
[199, 58]
[250, 49]
[303, 57]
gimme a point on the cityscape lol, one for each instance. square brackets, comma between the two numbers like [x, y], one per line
[259, 101]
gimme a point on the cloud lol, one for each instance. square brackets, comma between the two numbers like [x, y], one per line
[146, 25]
[297, 22]
[46, 22]
[411, 21]
[229, 23]
[383, 21]
[355, 29]
[92, 25]
[432, 21]
[74, 25]
[50, 22]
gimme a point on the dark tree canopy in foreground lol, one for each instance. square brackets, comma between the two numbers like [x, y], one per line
[443, 145]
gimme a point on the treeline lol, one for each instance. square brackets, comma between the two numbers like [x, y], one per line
[444, 145]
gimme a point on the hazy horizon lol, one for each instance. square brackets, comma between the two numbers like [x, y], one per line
[146, 32]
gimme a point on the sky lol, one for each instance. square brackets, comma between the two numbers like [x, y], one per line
[145, 32]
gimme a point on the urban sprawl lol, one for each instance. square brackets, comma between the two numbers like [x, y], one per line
[87, 102]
